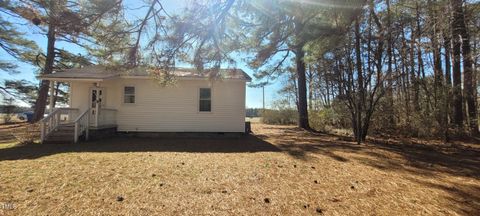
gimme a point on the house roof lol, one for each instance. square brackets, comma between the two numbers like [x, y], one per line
[100, 73]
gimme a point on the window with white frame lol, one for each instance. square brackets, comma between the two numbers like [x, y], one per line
[205, 103]
[129, 94]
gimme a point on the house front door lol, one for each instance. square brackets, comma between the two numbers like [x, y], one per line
[97, 100]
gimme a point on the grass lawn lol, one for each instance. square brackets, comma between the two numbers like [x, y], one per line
[280, 170]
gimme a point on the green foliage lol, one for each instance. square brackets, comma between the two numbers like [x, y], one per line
[97, 26]
[281, 114]
[253, 112]
[336, 116]
[324, 120]
[381, 117]
[22, 90]
[425, 122]
[200, 36]
[280, 117]
[14, 42]
[276, 29]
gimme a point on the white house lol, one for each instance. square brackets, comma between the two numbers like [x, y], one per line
[133, 101]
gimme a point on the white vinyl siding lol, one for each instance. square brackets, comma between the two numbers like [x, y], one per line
[173, 108]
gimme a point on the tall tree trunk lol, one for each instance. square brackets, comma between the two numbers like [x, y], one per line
[420, 69]
[448, 85]
[413, 43]
[389, 75]
[421, 65]
[406, 74]
[441, 93]
[448, 64]
[327, 85]
[468, 74]
[41, 102]
[437, 58]
[341, 85]
[447, 46]
[456, 6]
[475, 69]
[302, 88]
[360, 85]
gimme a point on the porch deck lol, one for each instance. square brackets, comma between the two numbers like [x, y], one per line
[69, 125]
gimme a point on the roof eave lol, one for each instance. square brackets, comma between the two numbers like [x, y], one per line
[185, 78]
[79, 79]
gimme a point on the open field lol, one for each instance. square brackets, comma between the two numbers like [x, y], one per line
[280, 170]
[253, 119]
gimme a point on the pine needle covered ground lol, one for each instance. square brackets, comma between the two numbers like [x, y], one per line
[280, 170]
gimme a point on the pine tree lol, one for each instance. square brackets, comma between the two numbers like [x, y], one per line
[70, 22]
[13, 42]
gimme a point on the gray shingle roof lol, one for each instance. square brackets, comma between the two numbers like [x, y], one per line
[102, 72]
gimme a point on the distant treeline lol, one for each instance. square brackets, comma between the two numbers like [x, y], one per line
[254, 112]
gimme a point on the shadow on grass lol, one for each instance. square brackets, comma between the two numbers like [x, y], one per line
[426, 161]
[241, 144]
[419, 159]
[302, 151]
[465, 198]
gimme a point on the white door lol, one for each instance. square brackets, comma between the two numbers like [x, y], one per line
[97, 100]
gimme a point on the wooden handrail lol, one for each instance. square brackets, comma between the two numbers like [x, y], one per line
[81, 115]
[50, 115]
[78, 126]
[55, 111]
[51, 121]
[67, 108]
[81, 122]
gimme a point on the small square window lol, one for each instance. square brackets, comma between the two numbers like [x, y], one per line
[205, 103]
[129, 94]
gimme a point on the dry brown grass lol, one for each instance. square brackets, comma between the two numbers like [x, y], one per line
[297, 171]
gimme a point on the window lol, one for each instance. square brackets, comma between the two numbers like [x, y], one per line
[129, 94]
[97, 98]
[205, 104]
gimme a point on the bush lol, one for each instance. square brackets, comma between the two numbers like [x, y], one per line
[280, 117]
[8, 109]
[324, 120]
[337, 116]
[28, 134]
[282, 114]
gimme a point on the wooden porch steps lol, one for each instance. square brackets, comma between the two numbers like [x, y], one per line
[64, 133]
[59, 125]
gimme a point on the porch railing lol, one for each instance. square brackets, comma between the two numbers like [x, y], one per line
[54, 119]
[82, 123]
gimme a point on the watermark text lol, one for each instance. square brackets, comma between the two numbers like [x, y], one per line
[7, 206]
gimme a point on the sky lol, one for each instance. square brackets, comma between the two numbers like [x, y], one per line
[28, 72]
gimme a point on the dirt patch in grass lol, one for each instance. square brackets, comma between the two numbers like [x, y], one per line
[280, 170]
